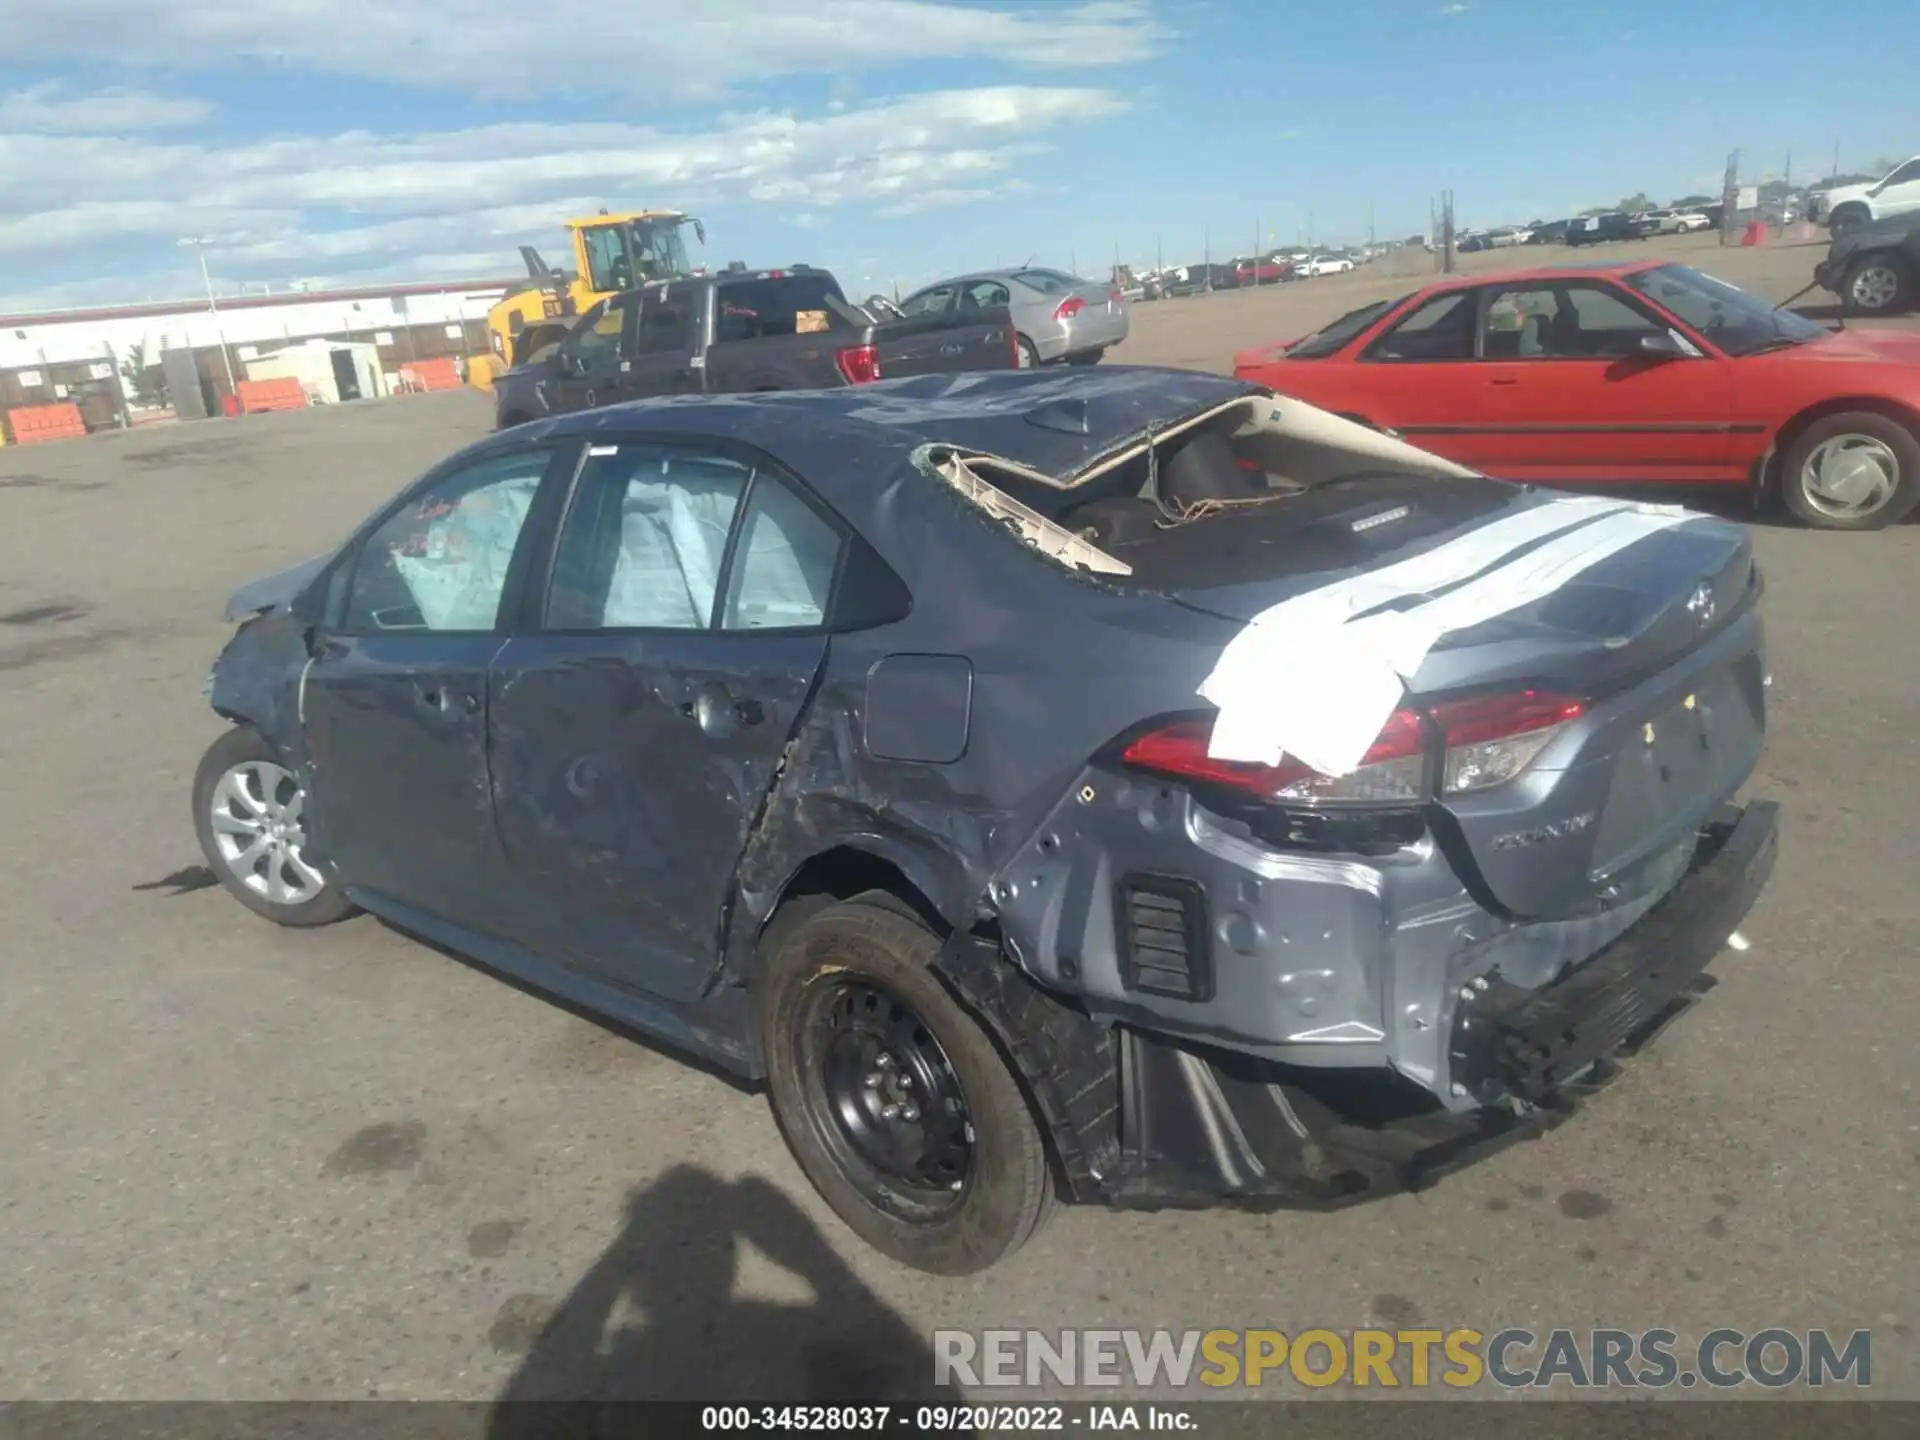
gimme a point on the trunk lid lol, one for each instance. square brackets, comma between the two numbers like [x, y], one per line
[1627, 614]
[1657, 639]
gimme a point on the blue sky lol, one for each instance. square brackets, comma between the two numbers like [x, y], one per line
[349, 141]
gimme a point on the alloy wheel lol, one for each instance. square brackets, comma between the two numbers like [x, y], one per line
[258, 816]
[1875, 287]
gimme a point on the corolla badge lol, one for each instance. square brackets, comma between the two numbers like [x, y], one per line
[1559, 830]
[1700, 604]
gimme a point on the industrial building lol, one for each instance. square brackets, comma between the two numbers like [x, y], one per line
[125, 364]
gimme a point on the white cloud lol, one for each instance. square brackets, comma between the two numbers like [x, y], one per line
[48, 109]
[653, 51]
[358, 202]
[1457, 8]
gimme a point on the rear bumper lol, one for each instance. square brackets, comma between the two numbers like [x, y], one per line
[1083, 333]
[1145, 1121]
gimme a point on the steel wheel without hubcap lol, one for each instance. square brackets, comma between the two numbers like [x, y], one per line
[1848, 477]
[885, 1098]
[256, 816]
[1875, 288]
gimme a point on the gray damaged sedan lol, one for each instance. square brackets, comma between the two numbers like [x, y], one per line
[1119, 786]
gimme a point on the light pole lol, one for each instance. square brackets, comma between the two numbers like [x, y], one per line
[198, 243]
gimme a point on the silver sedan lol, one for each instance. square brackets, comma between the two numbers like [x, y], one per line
[1057, 316]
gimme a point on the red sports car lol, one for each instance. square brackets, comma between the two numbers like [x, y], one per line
[1639, 371]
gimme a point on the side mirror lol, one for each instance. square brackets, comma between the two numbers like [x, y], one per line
[1661, 345]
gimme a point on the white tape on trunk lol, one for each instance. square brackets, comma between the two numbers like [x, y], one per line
[1306, 680]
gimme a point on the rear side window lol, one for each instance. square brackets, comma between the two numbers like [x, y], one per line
[656, 535]
[669, 321]
[644, 540]
[1047, 282]
[783, 563]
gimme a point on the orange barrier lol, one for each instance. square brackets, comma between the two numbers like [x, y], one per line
[1756, 233]
[37, 424]
[436, 374]
[259, 396]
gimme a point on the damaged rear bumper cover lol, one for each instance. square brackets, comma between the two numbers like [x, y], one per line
[1144, 1120]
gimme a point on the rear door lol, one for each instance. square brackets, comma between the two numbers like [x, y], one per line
[664, 343]
[1568, 396]
[638, 719]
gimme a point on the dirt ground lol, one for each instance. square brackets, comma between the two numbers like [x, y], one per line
[244, 1163]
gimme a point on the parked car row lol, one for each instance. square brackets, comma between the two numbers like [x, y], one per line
[741, 331]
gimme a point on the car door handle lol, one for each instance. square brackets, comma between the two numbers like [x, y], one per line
[1499, 380]
[951, 349]
[440, 699]
[716, 710]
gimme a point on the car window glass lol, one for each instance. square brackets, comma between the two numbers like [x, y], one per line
[1048, 282]
[667, 321]
[1440, 329]
[599, 336]
[607, 267]
[439, 563]
[1906, 172]
[643, 540]
[928, 302]
[783, 563]
[1562, 322]
[984, 295]
[1344, 331]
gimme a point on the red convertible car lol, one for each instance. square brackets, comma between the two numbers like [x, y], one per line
[1637, 371]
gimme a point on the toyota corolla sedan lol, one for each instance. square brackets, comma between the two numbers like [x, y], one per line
[1119, 786]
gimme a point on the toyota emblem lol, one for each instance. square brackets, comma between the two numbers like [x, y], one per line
[1700, 605]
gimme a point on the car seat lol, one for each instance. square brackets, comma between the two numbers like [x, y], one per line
[1204, 468]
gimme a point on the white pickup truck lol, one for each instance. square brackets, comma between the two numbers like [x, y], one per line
[1847, 207]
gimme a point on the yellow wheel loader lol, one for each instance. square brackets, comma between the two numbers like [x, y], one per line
[611, 253]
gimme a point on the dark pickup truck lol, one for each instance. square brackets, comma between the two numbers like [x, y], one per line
[739, 331]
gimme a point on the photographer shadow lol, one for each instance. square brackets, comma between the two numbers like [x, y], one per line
[656, 1318]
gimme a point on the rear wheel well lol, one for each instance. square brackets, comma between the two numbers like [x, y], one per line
[841, 874]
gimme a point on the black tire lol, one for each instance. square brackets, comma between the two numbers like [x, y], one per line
[1029, 356]
[1898, 439]
[1086, 357]
[1878, 284]
[243, 746]
[1846, 220]
[832, 986]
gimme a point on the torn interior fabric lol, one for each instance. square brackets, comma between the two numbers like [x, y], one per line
[1317, 677]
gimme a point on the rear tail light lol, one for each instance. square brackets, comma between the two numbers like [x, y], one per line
[1492, 739]
[1119, 297]
[1069, 307]
[860, 364]
[1486, 742]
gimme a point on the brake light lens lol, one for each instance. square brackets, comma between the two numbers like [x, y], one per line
[1394, 768]
[1486, 741]
[1069, 307]
[1491, 740]
[1119, 297]
[859, 364]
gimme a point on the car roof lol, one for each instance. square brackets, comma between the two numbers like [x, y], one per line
[1567, 270]
[1054, 422]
